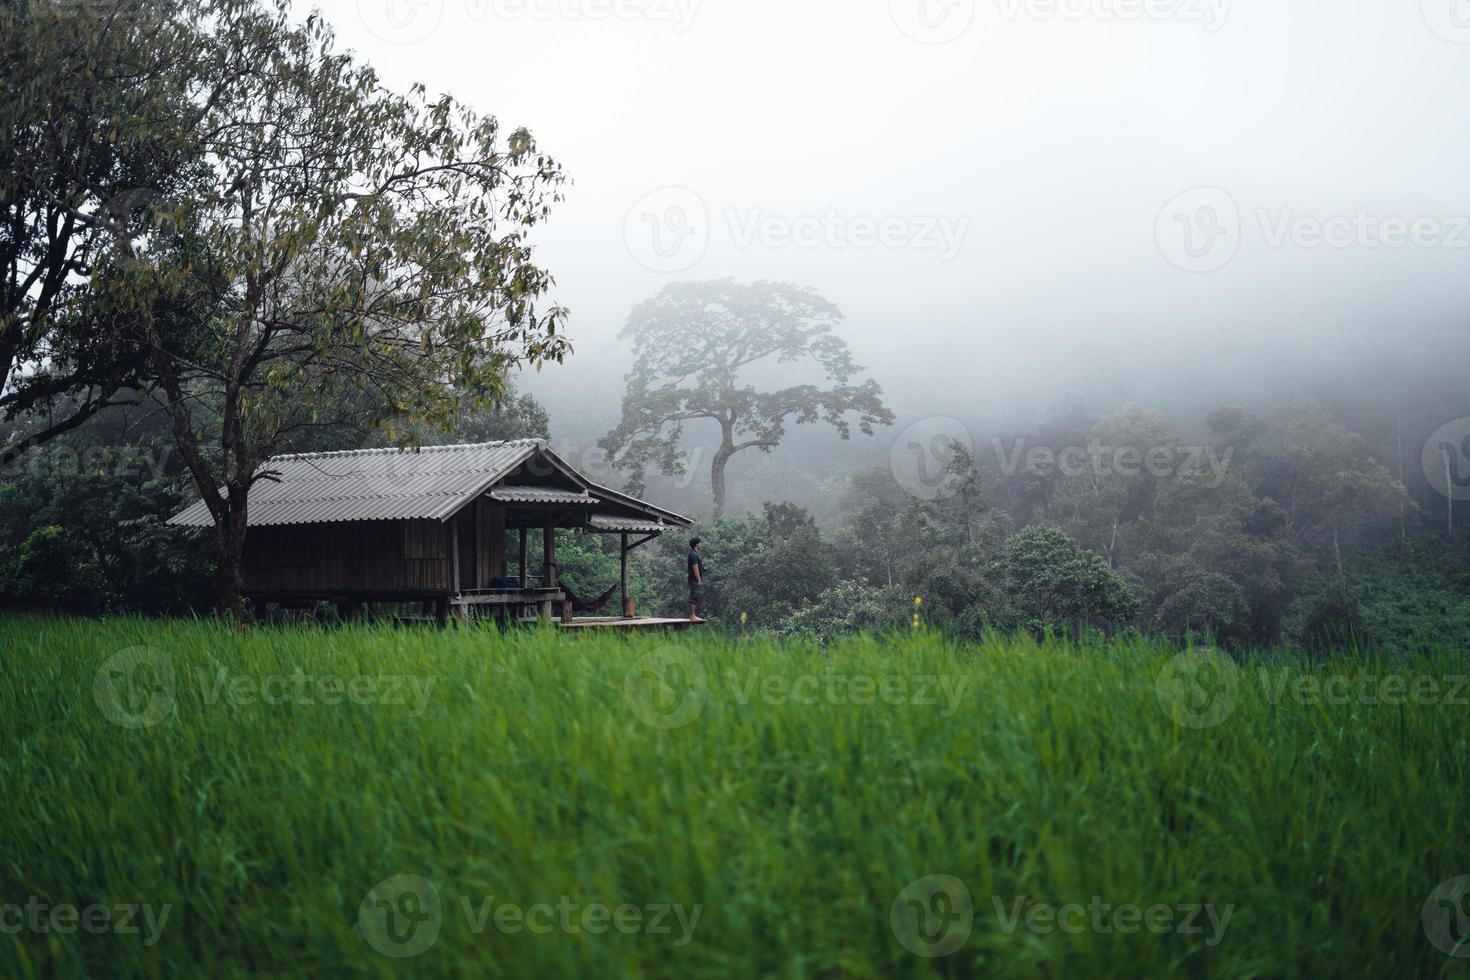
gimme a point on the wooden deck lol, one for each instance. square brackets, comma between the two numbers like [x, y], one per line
[635, 623]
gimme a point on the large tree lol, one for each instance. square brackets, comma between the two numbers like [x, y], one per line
[698, 349]
[91, 136]
[352, 249]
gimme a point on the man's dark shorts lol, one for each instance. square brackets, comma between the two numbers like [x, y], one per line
[696, 594]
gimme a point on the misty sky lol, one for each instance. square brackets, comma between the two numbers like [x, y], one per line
[990, 190]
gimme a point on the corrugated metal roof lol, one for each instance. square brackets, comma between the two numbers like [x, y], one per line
[540, 495]
[616, 498]
[614, 522]
[372, 484]
[431, 483]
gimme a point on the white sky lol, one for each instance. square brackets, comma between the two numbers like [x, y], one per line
[1054, 142]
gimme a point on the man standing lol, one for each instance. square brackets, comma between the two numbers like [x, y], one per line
[696, 580]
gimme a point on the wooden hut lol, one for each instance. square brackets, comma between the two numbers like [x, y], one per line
[447, 526]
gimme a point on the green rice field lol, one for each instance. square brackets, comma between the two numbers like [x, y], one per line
[182, 799]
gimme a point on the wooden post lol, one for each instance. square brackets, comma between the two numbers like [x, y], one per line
[548, 550]
[441, 611]
[623, 572]
[524, 585]
[454, 552]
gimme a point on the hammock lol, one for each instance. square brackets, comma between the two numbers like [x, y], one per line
[589, 605]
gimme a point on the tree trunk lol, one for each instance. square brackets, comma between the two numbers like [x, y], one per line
[228, 510]
[1449, 488]
[1337, 559]
[229, 579]
[717, 471]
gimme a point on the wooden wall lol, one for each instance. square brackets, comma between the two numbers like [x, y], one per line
[348, 557]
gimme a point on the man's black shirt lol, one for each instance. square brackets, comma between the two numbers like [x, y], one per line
[695, 562]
